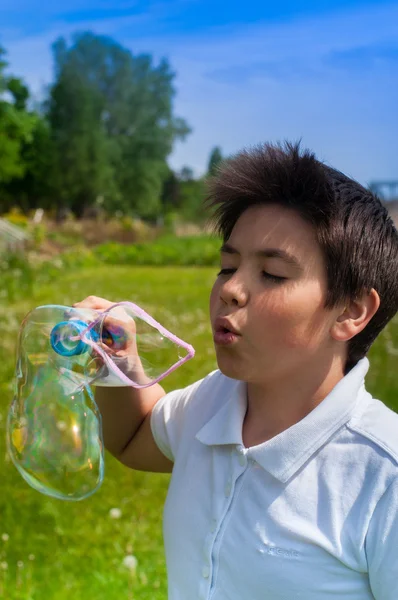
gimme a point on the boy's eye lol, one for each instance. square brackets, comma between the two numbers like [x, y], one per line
[225, 272]
[266, 275]
[273, 277]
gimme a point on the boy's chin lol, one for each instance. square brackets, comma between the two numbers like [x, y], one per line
[231, 369]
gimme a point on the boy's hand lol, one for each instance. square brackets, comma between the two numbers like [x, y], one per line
[127, 430]
[118, 328]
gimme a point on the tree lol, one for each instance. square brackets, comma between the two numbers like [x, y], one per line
[82, 169]
[113, 124]
[3, 65]
[186, 174]
[16, 126]
[215, 159]
[19, 92]
[35, 189]
[192, 193]
[183, 195]
[170, 196]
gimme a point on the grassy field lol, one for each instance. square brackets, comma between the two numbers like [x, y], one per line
[54, 550]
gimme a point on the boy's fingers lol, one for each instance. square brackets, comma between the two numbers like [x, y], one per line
[95, 302]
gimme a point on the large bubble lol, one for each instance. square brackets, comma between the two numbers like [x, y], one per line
[54, 432]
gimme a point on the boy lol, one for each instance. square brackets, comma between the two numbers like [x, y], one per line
[284, 468]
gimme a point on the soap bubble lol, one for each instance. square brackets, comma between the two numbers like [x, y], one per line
[54, 436]
[54, 432]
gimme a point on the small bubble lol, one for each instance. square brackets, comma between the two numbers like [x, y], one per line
[115, 513]
[4, 565]
[20, 564]
[5, 537]
[31, 557]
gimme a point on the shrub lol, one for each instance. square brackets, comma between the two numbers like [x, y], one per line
[17, 276]
[168, 250]
[16, 217]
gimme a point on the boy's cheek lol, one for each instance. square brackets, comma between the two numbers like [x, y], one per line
[213, 298]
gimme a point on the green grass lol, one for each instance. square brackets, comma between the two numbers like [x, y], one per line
[76, 550]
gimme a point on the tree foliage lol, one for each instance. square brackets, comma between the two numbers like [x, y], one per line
[16, 125]
[36, 187]
[113, 125]
[215, 159]
[102, 136]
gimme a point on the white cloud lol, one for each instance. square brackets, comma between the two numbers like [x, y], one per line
[241, 85]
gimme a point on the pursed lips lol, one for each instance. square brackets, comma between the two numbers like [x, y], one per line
[223, 324]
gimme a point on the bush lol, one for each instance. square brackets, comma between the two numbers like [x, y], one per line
[17, 276]
[22, 275]
[39, 234]
[80, 257]
[168, 250]
[16, 217]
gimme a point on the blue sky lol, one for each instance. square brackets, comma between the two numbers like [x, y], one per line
[323, 71]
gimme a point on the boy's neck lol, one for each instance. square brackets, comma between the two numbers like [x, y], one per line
[273, 408]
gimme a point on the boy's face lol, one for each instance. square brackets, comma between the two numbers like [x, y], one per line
[283, 326]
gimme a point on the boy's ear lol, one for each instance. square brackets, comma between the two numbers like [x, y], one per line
[355, 316]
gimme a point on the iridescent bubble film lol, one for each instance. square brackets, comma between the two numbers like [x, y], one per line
[54, 429]
[54, 432]
[140, 350]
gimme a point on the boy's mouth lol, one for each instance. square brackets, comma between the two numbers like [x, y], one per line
[224, 325]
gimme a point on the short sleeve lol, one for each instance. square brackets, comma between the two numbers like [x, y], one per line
[168, 418]
[382, 545]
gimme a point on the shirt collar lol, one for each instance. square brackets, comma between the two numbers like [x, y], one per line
[284, 454]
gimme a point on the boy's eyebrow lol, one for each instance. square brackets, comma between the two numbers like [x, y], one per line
[267, 253]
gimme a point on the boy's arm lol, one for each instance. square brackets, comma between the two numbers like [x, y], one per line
[126, 413]
[381, 545]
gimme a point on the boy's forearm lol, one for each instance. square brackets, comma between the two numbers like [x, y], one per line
[123, 409]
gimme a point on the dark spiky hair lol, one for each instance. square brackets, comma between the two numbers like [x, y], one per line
[355, 232]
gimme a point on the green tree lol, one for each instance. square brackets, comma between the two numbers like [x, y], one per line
[182, 195]
[82, 169]
[19, 92]
[192, 193]
[170, 195]
[186, 174]
[35, 189]
[3, 65]
[16, 126]
[113, 124]
[215, 159]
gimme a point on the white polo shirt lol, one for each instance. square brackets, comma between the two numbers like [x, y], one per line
[311, 514]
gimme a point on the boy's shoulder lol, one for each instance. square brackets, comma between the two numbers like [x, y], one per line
[204, 398]
[214, 388]
[218, 387]
[208, 389]
[378, 424]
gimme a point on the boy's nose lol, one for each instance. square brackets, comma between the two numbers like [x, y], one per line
[234, 293]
